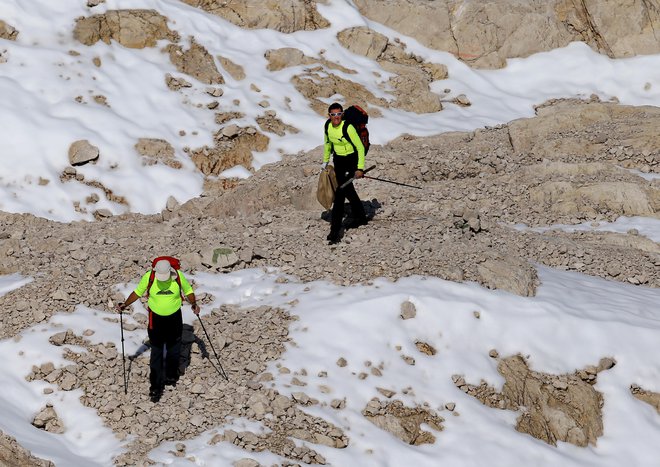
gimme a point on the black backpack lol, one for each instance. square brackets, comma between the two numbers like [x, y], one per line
[358, 117]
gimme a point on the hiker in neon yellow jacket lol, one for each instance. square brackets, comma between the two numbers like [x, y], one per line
[348, 159]
[165, 321]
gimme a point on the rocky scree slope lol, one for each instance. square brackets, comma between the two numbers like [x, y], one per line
[574, 162]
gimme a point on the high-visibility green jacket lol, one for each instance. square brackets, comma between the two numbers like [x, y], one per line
[164, 296]
[335, 141]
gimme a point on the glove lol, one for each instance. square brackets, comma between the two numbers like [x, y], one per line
[324, 166]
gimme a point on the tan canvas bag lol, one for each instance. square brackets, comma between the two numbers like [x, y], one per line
[325, 192]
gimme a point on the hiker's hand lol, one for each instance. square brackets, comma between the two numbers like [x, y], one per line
[120, 307]
[359, 173]
[195, 309]
[324, 166]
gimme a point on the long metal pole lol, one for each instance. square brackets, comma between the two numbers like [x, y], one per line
[213, 348]
[123, 358]
[391, 181]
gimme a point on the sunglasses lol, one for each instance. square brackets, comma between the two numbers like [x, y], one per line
[336, 114]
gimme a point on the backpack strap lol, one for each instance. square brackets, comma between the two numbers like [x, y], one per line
[344, 130]
[178, 281]
[152, 276]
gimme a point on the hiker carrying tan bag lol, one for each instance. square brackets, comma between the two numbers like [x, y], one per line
[343, 143]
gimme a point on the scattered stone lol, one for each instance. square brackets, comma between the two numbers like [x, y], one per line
[81, 152]
[425, 348]
[60, 295]
[462, 100]
[408, 310]
[386, 392]
[7, 32]
[59, 338]
[221, 257]
[246, 462]
[48, 420]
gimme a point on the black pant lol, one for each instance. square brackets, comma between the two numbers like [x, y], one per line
[345, 167]
[164, 331]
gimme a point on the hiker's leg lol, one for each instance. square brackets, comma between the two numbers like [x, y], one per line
[158, 331]
[156, 360]
[172, 360]
[337, 212]
[343, 174]
[156, 366]
[173, 345]
[357, 210]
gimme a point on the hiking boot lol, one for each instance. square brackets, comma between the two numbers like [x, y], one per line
[355, 223]
[155, 394]
[333, 238]
[171, 381]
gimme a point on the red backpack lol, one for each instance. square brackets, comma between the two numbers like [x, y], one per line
[176, 265]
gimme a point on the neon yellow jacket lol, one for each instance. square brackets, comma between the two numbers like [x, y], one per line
[335, 140]
[164, 297]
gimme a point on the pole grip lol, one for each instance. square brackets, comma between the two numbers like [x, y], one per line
[350, 180]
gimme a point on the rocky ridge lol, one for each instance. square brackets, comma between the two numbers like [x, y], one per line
[485, 34]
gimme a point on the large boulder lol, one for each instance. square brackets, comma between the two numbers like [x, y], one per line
[278, 59]
[484, 34]
[412, 75]
[281, 15]
[552, 407]
[81, 152]
[403, 422]
[508, 273]
[13, 454]
[196, 62]
[135, 29]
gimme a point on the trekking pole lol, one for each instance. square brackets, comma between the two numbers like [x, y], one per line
[222, 371]
[123, 358]
[396, 183]
[350, 180]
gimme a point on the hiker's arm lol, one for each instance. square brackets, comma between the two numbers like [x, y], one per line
[137, 293]
[193, 301]
[327, 149]
[357, 142]
[188, 292]
[131, 298]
